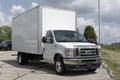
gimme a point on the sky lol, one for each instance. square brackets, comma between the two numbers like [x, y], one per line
[87, 14]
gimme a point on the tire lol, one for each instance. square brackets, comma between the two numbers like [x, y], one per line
[91, 70]
[8, 48]
[22, 58]
[59, 66]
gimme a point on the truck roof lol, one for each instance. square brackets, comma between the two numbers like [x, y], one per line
[44, 7]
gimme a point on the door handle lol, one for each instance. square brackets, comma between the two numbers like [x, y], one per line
[43, 49]
[55, 46]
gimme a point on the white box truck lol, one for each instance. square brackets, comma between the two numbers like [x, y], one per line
[50, 34]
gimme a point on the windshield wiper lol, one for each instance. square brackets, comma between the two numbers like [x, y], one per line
[79, 41]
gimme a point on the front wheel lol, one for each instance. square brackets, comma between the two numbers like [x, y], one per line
[59, 66]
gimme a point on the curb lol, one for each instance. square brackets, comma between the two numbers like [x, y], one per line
[110, 72]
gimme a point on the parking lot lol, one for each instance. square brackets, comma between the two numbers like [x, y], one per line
[10, 70]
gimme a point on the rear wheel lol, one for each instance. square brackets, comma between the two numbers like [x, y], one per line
[22, 58]
[59, 66]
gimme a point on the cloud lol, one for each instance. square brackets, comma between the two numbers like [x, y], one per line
[108, 34]
[0, 7]
[34, 4]
[4, 19]
[15, 10]
[58, 3]
[110, 11]
[9, 20]
[82, 23]
[81, 6]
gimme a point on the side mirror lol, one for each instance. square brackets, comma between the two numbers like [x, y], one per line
[44, 39]
[49, 40]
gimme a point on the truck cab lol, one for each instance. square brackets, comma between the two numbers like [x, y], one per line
[69, 49]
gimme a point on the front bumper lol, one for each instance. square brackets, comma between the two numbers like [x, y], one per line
[82, 63]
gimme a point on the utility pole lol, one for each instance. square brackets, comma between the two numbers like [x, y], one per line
[99, 21]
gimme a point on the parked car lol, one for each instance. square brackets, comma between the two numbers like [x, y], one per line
[0, 45]
[5, 45]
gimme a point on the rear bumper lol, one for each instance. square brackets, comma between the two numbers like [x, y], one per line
[87, 63]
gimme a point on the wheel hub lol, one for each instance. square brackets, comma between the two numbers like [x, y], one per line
[58, 66]
[19, 59]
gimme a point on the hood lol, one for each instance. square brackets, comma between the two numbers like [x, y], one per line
[79, 44]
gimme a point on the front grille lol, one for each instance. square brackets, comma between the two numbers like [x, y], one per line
[86, 52]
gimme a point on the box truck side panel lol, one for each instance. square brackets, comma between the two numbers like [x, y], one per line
[57, 19]
[25, 32]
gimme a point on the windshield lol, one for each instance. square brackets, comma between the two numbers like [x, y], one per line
[68, 36]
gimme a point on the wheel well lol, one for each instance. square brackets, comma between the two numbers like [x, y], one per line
[56, 55]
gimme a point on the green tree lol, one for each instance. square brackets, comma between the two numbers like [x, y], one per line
[1, 35]
[5, 33]
[90, 34]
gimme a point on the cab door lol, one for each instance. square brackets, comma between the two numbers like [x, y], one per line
[48, 48]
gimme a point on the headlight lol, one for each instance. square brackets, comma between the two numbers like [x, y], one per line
[99, 51]
[68, 52]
